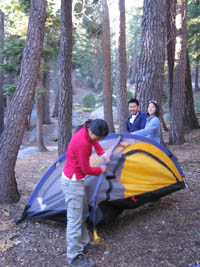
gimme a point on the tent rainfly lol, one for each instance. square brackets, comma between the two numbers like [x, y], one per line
[139, 171]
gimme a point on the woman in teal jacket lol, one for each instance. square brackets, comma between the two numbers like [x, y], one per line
[152, 126]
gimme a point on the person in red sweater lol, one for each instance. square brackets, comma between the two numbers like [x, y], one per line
[77, 166]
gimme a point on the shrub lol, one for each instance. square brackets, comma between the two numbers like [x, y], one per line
[89, 100]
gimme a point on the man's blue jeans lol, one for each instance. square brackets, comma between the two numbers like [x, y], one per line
[77, 236]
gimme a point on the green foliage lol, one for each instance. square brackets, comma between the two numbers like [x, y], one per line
[9, 89]
[89, 100]
[134, 19]
[193, 26]
[164, 97]
[87, 46]
[197, 101]
[13, 46]
[25, 5]
[15, 18]
[51, 44]
[12, 54]
[100, 99]
[129, 95]
[114, 100]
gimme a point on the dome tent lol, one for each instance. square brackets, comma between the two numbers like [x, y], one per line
[139, 171]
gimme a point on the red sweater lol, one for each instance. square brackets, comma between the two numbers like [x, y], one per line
[78, 155]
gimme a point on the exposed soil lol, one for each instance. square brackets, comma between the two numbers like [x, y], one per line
[164, 234]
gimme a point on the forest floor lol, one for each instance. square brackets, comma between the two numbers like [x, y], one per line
[164, 234]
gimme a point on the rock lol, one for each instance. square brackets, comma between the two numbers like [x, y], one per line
[32, 150]
[99, 114]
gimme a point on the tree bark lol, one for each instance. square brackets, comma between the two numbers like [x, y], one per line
[107, 85]
[55, 110]
[196, 80]
[21, 102]
[1, 72]
[65, 103]
[45, 98]
[40, 141]
[122, 106]
[150, 74]
[190, 120]
[134, 64]
[171, 37]
[176, 135]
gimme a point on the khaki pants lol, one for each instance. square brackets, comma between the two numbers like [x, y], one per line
[77, 236]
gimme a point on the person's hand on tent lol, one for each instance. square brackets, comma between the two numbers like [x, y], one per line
[103, 168]
[106, 156]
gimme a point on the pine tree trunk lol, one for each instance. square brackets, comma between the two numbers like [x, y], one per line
[107, 86]
[176, 135]
[134, 64]
[65, 102]
[74, 81]
[122, 106]
[55, 110]
[196, 80]
[190, 120]
[21, 103]
[45, 98]
[171, 36]
[150, 74]
[40, 141]
[1, 73]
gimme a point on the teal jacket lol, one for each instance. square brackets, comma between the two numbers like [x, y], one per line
[151, 129]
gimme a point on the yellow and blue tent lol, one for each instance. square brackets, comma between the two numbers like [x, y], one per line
[139, 171]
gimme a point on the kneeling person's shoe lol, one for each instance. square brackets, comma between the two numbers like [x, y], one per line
[82, 261]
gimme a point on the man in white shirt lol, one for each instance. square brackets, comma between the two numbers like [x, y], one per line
[137, 119]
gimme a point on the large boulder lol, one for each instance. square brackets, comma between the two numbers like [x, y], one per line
[99, 114]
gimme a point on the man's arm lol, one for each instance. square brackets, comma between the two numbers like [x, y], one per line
[127, 125]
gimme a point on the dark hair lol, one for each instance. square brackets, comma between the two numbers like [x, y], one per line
[157, 113]
[82, 125]
[98, 127]
[134, 100]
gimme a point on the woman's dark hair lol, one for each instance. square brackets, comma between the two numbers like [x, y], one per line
[98, 127]
[157, 113]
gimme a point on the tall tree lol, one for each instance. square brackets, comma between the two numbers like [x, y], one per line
[176, 135]
[45, 99]
[190, 119]
[122, 106]
[150, 75]
[193, 25]
[65, 102]
[171, 35]
[1, 73]
[133, 67]
[196, 87]
[39, 97]
[107, 85]
[21, 102]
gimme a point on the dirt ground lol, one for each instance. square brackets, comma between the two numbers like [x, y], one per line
[165, 234]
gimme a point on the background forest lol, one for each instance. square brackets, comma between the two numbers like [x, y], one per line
[114, 49]
[62, 62]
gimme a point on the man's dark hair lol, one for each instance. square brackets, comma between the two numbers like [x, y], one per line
[134, 100]
[98, 127]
